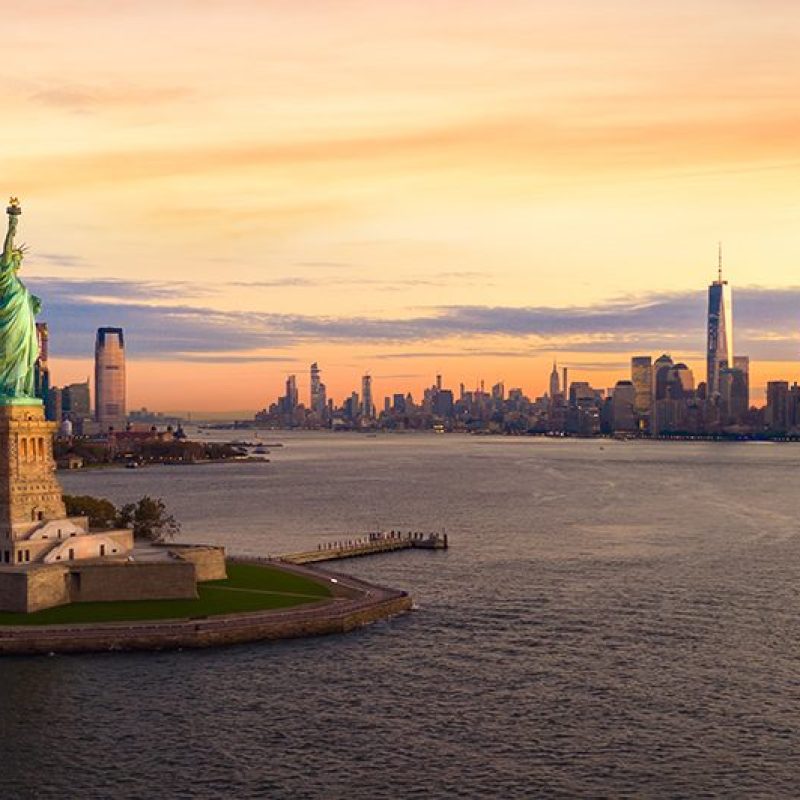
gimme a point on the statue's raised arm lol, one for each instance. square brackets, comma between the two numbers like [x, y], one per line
[13, 212]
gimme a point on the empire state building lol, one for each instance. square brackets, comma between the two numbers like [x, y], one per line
[719, 353]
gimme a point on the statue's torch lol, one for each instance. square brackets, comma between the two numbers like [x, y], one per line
[14, 208]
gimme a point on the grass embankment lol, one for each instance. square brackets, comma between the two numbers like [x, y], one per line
[248, 587]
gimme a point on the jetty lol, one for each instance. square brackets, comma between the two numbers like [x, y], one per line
[368, 545]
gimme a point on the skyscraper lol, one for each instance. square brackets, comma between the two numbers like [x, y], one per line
[555, 389]
[366, 397]
[623, 407]
[680, 383]
[291, 398]
[76, 401]
[443, 404]
[733, 395]
[109, 378]
[53, 405]
[662, 369]
[776, 414]
[318, 400]
[719, 352]
[742, 363]
[642, 379]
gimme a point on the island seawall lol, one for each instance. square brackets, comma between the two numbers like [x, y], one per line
[355, 603]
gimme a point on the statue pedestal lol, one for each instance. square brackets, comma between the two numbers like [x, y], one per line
[34, 526]
[29, 491]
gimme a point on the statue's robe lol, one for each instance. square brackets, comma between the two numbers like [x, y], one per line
[19, 347]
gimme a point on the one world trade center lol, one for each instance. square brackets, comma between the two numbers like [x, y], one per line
[719, 353]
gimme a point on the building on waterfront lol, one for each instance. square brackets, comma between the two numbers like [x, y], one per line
[624, 417]
[583, 412]
[76, 406]
[77, 400]
[291, 397]
[351, 408]
[317, 395]
[642, 380]
[661, 374]
[555, 388]
[680, 382]
[663, 414]
[443, 403]
[733, 395]
[367, 406]
[53, 405]
[109, 378]
[742, 363]
[776, 415]
[719, 350]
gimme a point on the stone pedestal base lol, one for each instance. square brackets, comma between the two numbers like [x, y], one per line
[34, 526]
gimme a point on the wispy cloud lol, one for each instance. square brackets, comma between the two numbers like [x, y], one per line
[61, 259]
[765, 325]
[83, 98]
[355, 281]
[92, 290]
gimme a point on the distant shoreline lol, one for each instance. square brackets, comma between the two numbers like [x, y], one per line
[373, 433]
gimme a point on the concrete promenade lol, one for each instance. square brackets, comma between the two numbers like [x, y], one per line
[355, 603]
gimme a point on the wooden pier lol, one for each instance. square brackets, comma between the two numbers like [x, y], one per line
[371, 544]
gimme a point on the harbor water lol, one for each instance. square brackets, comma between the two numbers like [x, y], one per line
[612, 619]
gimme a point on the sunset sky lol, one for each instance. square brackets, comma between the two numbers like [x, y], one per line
[405, 187]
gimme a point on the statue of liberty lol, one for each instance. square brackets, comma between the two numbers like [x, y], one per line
[19, 347]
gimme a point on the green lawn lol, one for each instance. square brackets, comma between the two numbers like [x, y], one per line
[269, 579]
[248, 587]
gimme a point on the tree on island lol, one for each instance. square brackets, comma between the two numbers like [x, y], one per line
[148, 517]
[102, 513]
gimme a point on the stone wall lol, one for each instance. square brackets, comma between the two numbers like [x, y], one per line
[209, 561]
[325, 618]
[132, 580]
[45, 586]
[14, 592]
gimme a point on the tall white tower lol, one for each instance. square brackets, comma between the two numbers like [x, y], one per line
[719, 352]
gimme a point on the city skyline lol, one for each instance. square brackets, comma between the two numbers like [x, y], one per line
[718, 354]
[512, 182]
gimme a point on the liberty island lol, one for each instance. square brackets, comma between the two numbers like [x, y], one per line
[56, 569]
